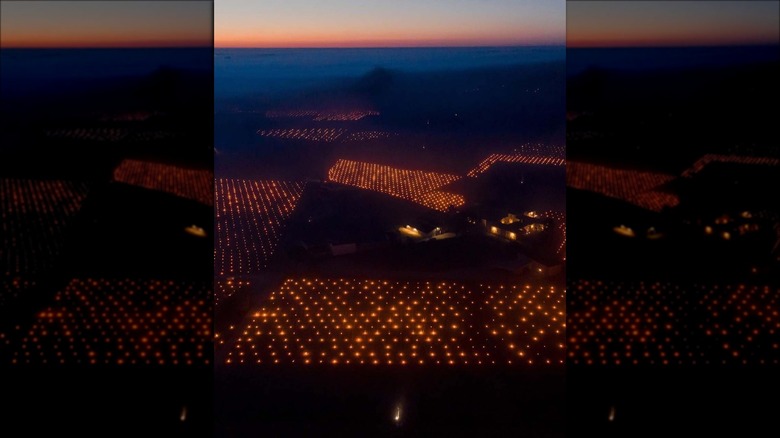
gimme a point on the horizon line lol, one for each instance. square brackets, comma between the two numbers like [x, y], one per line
[459, 46]
[670, 45]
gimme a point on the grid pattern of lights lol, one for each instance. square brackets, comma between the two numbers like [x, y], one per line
[540, 150]
[402, 323]
[35, 215]
[321, 116]
[187, 183]
[702, 162]
[250, 218]
[368, 135]
[90, 134]
[412, 185]
[326, 135]
[118, 322]
[291, 114]
[617, 323]
[632, 186]
[344, 116]
[492, 159]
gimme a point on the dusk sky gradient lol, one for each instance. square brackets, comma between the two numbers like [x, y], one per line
[384, 23]
[671, 23]
[85, 24]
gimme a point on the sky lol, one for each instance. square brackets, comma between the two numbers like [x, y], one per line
[671, 23]
[137, 23]
[387, 23]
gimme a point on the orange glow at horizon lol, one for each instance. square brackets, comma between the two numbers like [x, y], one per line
[100, 38]
[115, 24]
[328, 40]
[104, 43]
[370, 44]
[671, 24]
[400, 23]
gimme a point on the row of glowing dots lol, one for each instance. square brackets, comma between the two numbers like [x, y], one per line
[10, 289]
[16, 283]
[34, 215]
[250, 219]
[368, 135]
[226, 288]
[309, 134]
[377, 322]
[121, 322]
[660, 323]
[560, 220]
[632, 186]
[702, 162]
[90, 134]
[412, 185]
[515, 158]
[187, 183]
[541, 149]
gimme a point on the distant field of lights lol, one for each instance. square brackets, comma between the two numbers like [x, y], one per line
[559, 219]
[368, 135]
[702, 162]
[620, 323]
[326, 135]
[320, 116]
[250, 218]
[34, 215]
[330, 322]
[120, 322]
[90, 134]
[540, 150]
[412, 185]
[197, 185]
[635, 187]
[522, 158]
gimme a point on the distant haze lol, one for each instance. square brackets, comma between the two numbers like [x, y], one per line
[397, 23]
[239, 72]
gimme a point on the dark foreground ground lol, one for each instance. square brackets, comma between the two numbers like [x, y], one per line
[107, 401]
[298, 401]
[670, 402]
